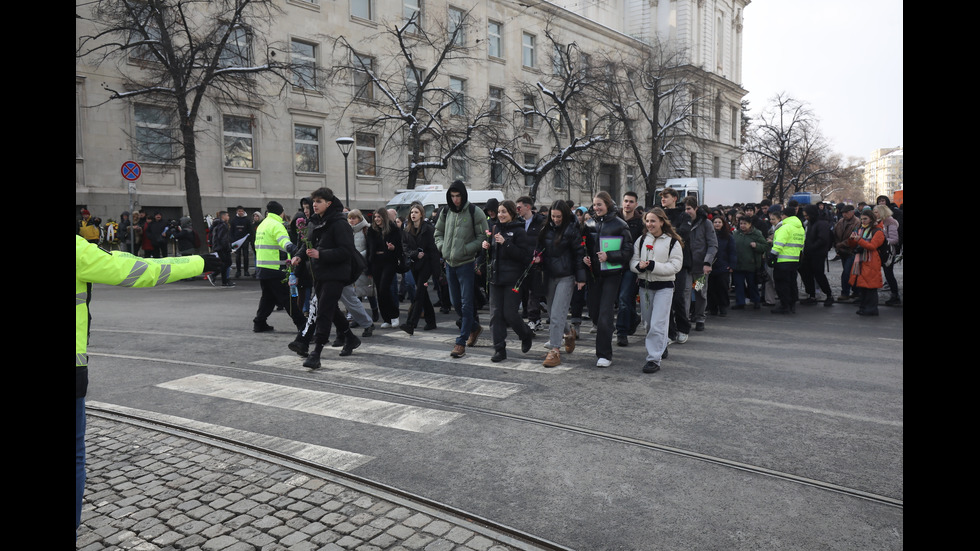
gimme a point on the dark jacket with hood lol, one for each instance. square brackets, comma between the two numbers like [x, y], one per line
[333, 238]
[563, 257]
[509, 260]
[460, 231]
[819, 235]
[610, 225]
[422, 239]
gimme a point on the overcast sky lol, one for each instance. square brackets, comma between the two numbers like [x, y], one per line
[842, 57]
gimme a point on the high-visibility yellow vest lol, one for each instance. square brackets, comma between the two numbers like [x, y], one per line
[271, 237]
[787, 241]
[94, 265]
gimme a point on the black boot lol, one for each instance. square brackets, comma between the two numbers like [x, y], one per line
[300, 345]
[313, 360]
[350, 343]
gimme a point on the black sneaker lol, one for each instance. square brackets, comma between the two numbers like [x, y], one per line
[261, 327]
[338, 342]
[622, 340]
[368, 331]
[300, 347]
[499, 356]
[699, 326]
[651, 367]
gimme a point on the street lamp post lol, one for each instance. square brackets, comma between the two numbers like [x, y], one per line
[345, 144]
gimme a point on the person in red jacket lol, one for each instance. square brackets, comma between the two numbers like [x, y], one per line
[866, 270]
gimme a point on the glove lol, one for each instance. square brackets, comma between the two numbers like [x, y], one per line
[212, 263]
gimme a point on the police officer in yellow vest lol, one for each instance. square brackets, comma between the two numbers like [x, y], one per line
[787, 244]
[95, 265]
[272, 247]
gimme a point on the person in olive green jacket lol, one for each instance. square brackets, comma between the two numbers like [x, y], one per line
[750, 248]
[95, 265]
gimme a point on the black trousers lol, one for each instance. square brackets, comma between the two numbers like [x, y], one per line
[603, 296]
[505, 307]
[328, 312]
[784, 279]
[275, 293]
[422, 305]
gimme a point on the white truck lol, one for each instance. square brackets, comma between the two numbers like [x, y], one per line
[717, 191]
[433, 197]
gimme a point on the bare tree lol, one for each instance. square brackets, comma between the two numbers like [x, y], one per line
[653, 102]
[560, 108]
[785, 147]
[175, 55]
[427, 114]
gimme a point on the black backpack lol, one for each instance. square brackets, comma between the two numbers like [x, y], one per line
[357, 266]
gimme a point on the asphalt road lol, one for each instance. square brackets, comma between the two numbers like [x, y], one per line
[762, 432]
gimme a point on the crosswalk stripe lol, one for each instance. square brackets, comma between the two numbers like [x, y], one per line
[422, 379]
[476, 356]
[349, 408]
[321, 455]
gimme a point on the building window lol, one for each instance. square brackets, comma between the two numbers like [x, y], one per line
[496, 104]
[363, 83]
[367, 154]
[494, 40]
[412, 15]
[458, 164]
[307, 146]
[734, 171]
[530, 163]
[734, 113]
[238, 49]
[154, 133]
[413, 79]
[718, 119]
[630, 178]
[527, 50]
[362, 9]
[457, 88]
[557, 63]
[529, 110]
[561, 178]
[455, 28]
[419, 159]
[496, 174]
[304, 61]
[694, 165]
[716, 167]
[238, 142]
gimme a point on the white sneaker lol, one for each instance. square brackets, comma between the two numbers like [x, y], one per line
[681, 338]
[394, 322]
[385, 325]
[603, 362]
[534, 325]
[594, 329]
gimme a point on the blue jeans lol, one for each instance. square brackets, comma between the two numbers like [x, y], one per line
[627, 304]
[743, 280]
[847, 262]
[79, 458]
[462, 281]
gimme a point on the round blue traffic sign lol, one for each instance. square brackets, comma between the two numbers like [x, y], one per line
[131, 170]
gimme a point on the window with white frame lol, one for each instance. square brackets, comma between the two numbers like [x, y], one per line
[363, 82]
[734, 169]
[458, 164]
[455, 29]
[238, 144]
[530, 163]
[413, 79]
[307, 148]
[557, 61]
[495, 39]
[304, 64]
[153, 134]
[412, 12]
[457, 89]
[496, 98]
[529, 111]
[362, 8]
[366, 148]
[527, 50]
[734, 114]
[238, 49]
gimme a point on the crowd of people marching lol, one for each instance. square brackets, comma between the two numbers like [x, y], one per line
[663, 269]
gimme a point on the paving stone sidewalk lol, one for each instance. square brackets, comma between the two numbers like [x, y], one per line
[150, 490]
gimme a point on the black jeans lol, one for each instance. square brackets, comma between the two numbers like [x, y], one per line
[603, 295]
[276, 293]
[784, 279]
[505, 307]
[422, 305]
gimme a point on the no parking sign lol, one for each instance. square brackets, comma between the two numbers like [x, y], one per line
[131, 170]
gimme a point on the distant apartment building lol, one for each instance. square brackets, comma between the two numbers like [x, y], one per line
[283, 145]
[883, 173]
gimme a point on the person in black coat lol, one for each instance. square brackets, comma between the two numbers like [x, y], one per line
[609, 247]
[420, 243]
[510, 257]
[384, 246]
[819, 238]
[330, 255]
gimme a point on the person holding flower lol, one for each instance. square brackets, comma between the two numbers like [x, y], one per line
[609, 247]
[510, 261]
[658, 255]
[560, 243]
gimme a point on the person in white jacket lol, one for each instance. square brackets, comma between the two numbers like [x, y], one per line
[657, 257]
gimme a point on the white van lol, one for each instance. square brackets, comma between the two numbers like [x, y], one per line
[433, 197]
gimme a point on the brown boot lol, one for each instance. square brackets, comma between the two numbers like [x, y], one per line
[473, 335]
[458, 351]
[553, 359]
[570, 342]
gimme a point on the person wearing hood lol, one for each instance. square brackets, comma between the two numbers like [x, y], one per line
[185, 237]
[609, 247]
[818, 239]
[330, 252]
[460, 233]
[125, 244]
[510, 255]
